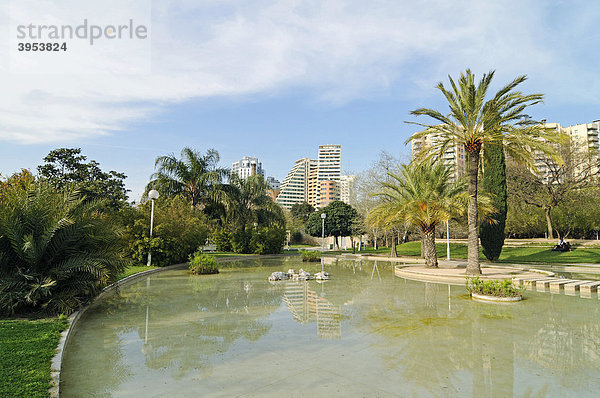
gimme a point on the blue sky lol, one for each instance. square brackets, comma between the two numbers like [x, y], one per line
[275, 79]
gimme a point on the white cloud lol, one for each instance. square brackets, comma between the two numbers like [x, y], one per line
[340, 50]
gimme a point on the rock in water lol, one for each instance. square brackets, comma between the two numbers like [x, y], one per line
[278, 276]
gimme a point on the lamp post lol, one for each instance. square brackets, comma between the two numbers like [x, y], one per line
[323, 215]
[153, 195]
[447, 240]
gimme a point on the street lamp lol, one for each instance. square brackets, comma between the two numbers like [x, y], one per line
[323, 215]
[153, 195]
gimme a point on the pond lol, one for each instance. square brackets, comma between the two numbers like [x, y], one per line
[363, 333]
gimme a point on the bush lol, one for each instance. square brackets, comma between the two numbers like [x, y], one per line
[311, 256]
[202, 264]
[222, 239]
[178, 231]
[296, 237]
[269, 240]
[503, 288]
[56, 250]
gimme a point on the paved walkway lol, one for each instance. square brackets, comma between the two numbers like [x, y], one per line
[455, 275]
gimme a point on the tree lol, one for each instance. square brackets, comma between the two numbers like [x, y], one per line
[20, 181]
[57, 250]
[551, 186]
[66, 167]
[301, 211]
[195, 177]
[420, 195]
[494, 183]
[340, 220]
[475, 123]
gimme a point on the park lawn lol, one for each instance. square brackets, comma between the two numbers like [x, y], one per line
[27, 349]
[515, 255]
[134, 269]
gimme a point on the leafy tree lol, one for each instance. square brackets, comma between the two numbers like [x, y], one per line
[195, 177]
[301, 211]
[475, 122]
[494, 183]
[66, 167]
[178, 231]
[20, 181]
[56, 250]
[556, 181]
[340, 220]
[420, 195]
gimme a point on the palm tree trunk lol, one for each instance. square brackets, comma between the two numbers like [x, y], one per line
[394, 252]
[429, 249]
[548, 222]
[473, 267]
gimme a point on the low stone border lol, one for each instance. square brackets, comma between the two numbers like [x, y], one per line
[486, 298]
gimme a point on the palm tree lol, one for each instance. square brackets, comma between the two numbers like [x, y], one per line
[474, 123]
[420, 195]
[247, 202]
[57, 249]
[194, 176]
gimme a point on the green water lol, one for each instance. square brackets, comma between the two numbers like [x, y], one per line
[365, 333]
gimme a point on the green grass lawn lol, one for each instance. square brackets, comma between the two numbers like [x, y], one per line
[515, 255]
[27, 349]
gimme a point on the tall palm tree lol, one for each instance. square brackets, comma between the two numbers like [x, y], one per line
[195, 176]
[420, 195]
[473, 123]
[247, 202]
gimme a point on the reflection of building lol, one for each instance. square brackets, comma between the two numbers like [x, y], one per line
[246, 167]
[306, 306]
[314, 181]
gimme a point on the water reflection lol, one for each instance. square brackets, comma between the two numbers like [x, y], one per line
[307, 306]
[234, 334]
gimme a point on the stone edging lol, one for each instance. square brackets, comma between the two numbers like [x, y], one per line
[56, 365]
[483, 297]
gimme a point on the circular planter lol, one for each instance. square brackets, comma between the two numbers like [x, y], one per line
[483, 297]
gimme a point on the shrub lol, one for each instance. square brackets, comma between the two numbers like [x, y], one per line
[178, 231]
[296, 237]
[56, 250]
[269, 240]
[503, 288]
[311, 256]
[222, 239]
[202, 264]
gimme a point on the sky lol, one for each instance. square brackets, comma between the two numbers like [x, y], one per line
[275, 79]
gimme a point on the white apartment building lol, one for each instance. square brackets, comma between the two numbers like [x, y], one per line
[329, 168]
[273, 183]
[454, 156]
[246, 167]
[346, 186]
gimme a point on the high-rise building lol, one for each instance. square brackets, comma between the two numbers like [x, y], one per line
[329, 169]
[313, 181]
[346, 185]
[246, 167]
[294, 188]
[454, 156]
[273, 183]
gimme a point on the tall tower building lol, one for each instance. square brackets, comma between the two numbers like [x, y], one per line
[246, 167]
[329, 170]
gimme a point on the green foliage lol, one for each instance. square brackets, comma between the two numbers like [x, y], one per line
[27, 349]
[178, 231]
[494, 184]
[195, 177]
[202, 264]
[302, 211]
[296, 237]
[222, 239]
[20, 181]
[66, 167]
[503, 288]
[340, 220]
[267, 240]
[311, 256]
[240, 241]
[56, 251]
